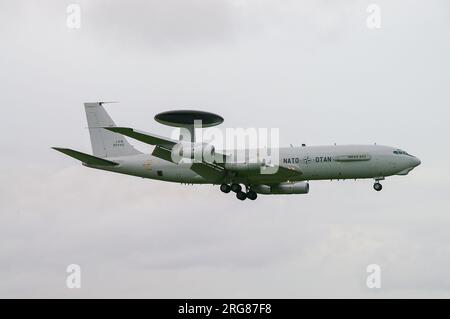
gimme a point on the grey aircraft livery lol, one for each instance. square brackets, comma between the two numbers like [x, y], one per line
[187, 161]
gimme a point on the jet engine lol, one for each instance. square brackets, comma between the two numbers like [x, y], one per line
[283, 188]
[244, 167]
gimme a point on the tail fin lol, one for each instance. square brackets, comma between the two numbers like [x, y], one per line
[105, 143]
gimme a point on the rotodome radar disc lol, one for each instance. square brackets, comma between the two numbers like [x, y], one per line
[182, 118]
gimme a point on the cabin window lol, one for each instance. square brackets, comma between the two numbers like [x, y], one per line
[159, 173]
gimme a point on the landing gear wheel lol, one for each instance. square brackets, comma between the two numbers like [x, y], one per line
[225, 188]
[377, 186]
[236, 188]
[252, 195]
[241, 195]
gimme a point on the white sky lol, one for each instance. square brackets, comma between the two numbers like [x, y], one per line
[311, 68]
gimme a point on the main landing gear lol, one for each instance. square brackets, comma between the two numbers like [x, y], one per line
[225, 188]
[236, 188]
[252, 195]
[377, 186]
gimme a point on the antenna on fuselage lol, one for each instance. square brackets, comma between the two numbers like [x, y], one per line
[107, 102]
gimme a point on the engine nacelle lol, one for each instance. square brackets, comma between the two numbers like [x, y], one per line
[283, 188]
[201, 152]
[244, 167]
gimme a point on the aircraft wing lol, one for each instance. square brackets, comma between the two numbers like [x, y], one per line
[163, 145]
[163, 153]
[208, 171]
[144, 137]
[163, 149]
[216, 172]
[289, 171]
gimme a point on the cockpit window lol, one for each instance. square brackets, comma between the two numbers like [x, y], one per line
[400, 152]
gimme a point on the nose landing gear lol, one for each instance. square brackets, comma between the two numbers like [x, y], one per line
[377, 186]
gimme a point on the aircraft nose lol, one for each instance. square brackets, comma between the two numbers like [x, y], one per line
[416, 162]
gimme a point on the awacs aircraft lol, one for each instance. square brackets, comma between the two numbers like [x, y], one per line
[295, 168]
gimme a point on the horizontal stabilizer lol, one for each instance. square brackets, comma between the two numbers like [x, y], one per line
[86, 158]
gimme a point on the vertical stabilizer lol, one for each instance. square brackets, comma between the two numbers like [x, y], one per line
[105, 143]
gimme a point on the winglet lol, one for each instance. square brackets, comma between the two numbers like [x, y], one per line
[85, 158]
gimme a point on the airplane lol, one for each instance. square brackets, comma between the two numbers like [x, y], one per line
[296, 167]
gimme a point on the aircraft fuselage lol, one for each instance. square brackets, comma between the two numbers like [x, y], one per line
[315, 163]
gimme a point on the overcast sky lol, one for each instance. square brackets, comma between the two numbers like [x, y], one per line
[313, 69]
